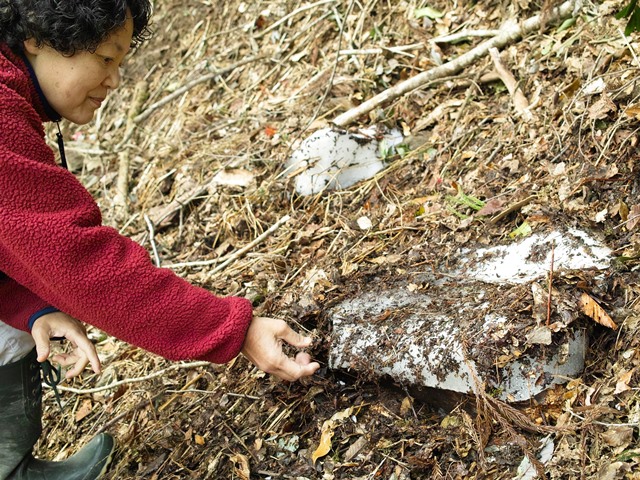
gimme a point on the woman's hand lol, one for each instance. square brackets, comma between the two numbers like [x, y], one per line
[263, 346]
[58, 324]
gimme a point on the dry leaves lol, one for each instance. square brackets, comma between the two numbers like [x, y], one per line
[241, 466]
[633, 217]
[591, 309]
[328, 431]
[84, 410]
[622, 385]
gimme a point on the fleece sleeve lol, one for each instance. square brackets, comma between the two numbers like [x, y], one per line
[53, 244]
[20, 307]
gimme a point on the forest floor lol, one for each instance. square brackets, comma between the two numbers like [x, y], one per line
[206, 168]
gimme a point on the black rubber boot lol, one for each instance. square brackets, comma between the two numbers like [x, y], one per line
[21, 426]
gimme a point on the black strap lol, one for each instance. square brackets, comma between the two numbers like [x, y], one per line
[63, 157]
[52, 377]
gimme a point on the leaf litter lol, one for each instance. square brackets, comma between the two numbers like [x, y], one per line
[230, 89]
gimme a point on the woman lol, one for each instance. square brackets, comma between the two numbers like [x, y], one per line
[58, 60]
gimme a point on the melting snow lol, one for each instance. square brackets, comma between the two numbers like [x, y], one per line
[332, 159]
[531, 258]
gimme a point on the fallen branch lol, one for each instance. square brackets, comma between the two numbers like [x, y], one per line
[400, 50]
[520, 102]
[152, 239]
[553, 248]
[511, 32]
[516, 206]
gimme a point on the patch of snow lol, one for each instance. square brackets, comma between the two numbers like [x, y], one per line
[531, 258]
[332, 159]
[425, 348]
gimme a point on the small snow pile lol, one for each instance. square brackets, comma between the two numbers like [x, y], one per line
[333, 159]
[530, 259]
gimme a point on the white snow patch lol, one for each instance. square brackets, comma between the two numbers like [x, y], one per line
[531, 258]
[332, 159]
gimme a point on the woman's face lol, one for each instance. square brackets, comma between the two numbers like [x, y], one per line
[76, 86]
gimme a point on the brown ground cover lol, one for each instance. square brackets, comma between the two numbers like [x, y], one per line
[246, 81]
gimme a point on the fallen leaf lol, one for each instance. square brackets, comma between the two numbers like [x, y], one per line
[618, 437]
[633, 217]
[621, 210]
[429, 12]
[386, 259]
[328, 431]
[595, 87]
[602, 108]
[622, 385]
[591, 309]
[84, 410]
[540, 301]
[355, 448]
[406, 406]
[633, 111]
[492, 206]
[540, 335]
[524, 230]
[241, 466]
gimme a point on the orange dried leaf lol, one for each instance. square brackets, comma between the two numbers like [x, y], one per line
[328, 430]
[84, 410]
[325, 444]
[591, 309]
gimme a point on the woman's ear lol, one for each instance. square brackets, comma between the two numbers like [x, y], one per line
[31, 47]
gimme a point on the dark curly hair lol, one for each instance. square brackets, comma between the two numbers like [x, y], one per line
[70, 26]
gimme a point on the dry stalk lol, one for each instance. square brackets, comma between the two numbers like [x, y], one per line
[291, 15]
[140, 94]
[511, 32]
[491, 409]
[152, 240]
[520, 102]
[176, 395]
[126, 381]
[465, 34]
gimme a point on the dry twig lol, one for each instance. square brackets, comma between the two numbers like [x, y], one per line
[126, 381]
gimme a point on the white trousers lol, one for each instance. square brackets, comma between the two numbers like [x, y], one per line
[14, 344]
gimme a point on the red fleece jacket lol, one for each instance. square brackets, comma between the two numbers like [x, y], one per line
[54, 250]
